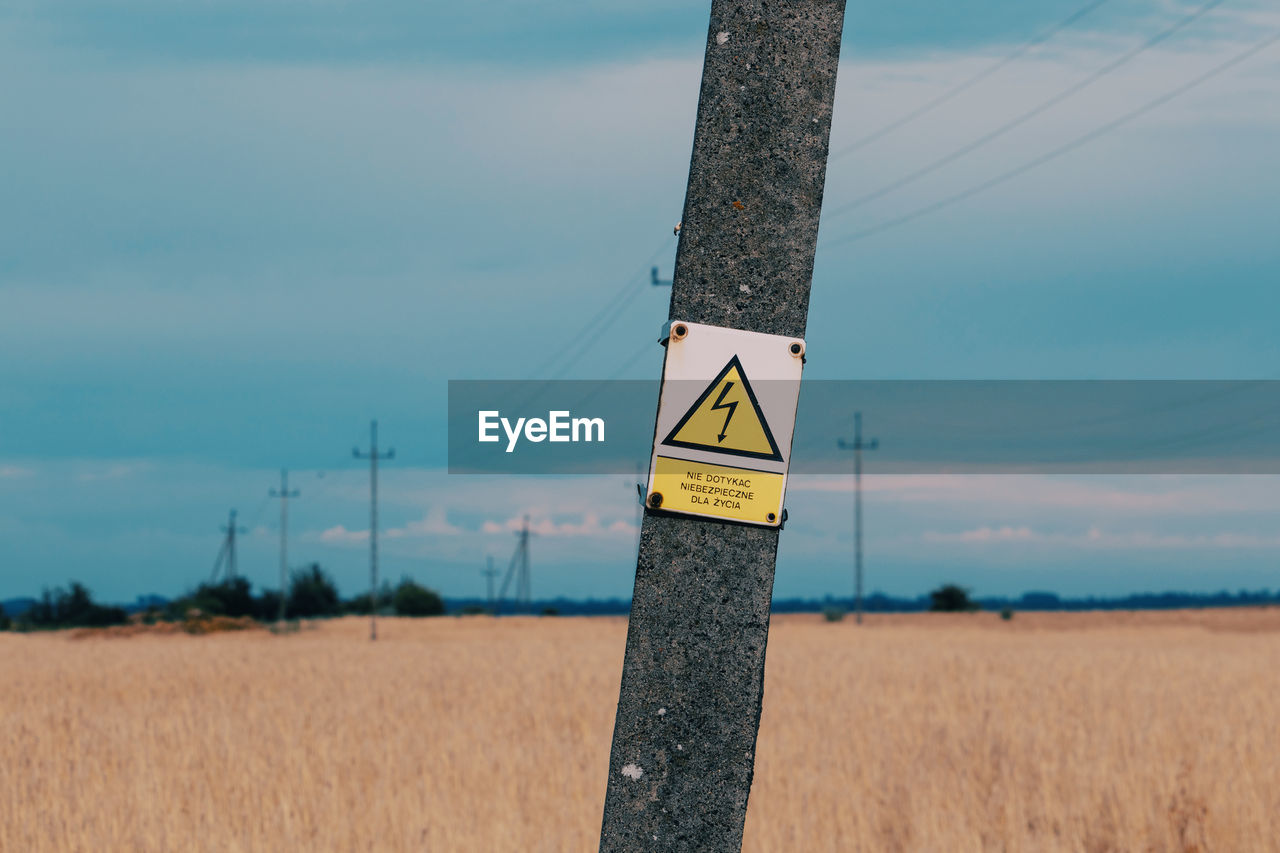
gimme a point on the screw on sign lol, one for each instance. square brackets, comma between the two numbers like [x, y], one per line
[684, 738]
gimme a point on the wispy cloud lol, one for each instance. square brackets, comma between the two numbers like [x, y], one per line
[1147, 494]
[1096, 537]
[340, 535]
[112, 471]
[434, 523]
[589, 526]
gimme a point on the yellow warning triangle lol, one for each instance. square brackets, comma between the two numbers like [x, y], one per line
[726, 418]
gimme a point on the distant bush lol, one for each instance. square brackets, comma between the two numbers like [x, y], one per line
[833, 614]
[473, 610]
[1006, 614]
[312, 593]
[951, 599]
[73, 608]
[5, 622]
[232, 597]
[1036, 600]
[550, 611]
[360, 604]
[411, 599]
[266, 607]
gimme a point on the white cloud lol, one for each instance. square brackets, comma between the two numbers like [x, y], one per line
[340, 535]
[589, 526]
[986, 534]
[1098, 538]
[112, 471]
[1138, 494]
[8, 472]
[434, 523]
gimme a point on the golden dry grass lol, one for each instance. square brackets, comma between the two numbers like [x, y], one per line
[1057, 732]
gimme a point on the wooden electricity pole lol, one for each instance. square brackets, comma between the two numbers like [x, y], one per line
[692, 682]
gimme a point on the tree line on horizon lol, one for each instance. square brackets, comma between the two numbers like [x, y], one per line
[311, 594]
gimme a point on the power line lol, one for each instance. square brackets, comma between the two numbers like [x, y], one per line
[598, 332]
[581, 342]
[1056, 152]
[622, 368]
[257, 513]
[1027, 116]
[962, 87]
[597, 320]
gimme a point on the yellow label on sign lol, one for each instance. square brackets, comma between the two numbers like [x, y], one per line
[726, 418]
[736, 494]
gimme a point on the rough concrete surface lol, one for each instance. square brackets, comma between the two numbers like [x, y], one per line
[692, 683]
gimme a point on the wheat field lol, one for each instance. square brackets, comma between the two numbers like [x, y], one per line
[1096, 732]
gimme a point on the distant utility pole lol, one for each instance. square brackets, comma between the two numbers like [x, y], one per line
[284, 494]
[658, 282]
[857, 446]
[373, 458]
[227, 553]
[519, 568]
[684, 737]
[489, 574]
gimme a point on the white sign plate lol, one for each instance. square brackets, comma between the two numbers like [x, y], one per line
[726, 414]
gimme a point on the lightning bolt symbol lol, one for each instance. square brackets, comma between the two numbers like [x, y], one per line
[721, 404]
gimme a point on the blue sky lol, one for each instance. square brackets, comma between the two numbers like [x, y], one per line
[231, 234]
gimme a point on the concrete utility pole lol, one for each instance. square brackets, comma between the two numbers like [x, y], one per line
[373, 458]
[284, 494]
[692, 682]
[857, 446]
[227, 553]
[519, 569]
[489, 574]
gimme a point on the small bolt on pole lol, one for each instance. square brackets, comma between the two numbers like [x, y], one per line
[373, 456]
[857, 446]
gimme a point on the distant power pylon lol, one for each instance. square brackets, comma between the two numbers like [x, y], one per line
[857, 446]
[519, 566]
[284, 494]
[373, 458]
[227, 553]
[489, 574]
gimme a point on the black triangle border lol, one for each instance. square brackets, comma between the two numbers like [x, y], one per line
[671, 441]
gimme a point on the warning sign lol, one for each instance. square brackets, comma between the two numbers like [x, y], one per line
[734, 493]
[725, 419]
